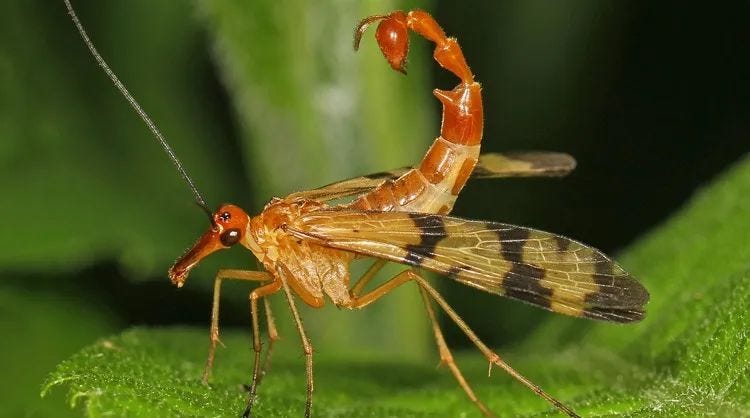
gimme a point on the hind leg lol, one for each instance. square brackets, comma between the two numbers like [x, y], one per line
[447, 358]
[491, 356]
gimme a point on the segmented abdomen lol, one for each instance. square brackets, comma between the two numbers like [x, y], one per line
[434, 185]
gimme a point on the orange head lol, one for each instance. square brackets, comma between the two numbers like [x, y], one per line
[228, 227]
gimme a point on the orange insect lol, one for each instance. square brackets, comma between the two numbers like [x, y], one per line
[306, 245]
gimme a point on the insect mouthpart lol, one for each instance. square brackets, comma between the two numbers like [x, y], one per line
[206, 244]
[228, 224]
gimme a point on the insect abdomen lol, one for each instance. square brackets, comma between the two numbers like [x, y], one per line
[435, 184]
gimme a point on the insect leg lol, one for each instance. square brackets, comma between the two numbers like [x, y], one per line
[367, 277]
[214, 334]
[360, 302]
[495, 359]
[256, 294]
[488, 353]
[306, 348]
[273, 335]
[445, 354]
[447, 358]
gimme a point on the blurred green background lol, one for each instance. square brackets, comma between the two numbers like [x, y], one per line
[266, 97]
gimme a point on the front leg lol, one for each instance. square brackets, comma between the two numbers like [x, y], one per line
[228, 274]
[273, 335]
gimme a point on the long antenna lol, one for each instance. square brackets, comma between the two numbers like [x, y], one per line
[134, 104]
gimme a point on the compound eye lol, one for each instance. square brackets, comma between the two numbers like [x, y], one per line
[230, 237]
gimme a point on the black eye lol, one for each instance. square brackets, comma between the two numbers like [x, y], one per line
[225, 216]
[230, 237]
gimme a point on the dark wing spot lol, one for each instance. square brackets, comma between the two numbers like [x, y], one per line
[413, 258]
[604, 278]
[616, 289]
[431, 232]
[455, 271]
[603, 267]
[562, 243]
[522, 282]
[512, 241]
[619, 297]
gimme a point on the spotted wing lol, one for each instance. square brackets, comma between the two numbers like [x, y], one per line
[491, 165]
[543, 269]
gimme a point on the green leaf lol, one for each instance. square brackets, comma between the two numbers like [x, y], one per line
[689, 357]
[53, 323]
[156, 372]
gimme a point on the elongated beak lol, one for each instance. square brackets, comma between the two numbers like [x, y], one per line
[206, 244]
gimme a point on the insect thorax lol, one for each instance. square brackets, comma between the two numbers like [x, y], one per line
[311, 270]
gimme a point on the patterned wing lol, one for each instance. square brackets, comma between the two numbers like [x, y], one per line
[543, 269]
[491, 165]
[524, 164]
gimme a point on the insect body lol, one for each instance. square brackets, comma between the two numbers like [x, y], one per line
[306, 245]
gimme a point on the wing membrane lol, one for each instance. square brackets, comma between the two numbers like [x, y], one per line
[349, 187]
[524, 164]
[491, 165]
[547, 270]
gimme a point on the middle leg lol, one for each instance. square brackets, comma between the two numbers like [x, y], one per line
[228, 274]
[256, 294]
[306, 346]
[273, 336]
